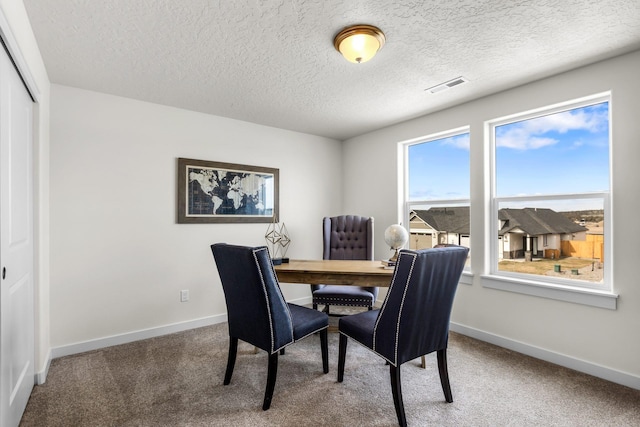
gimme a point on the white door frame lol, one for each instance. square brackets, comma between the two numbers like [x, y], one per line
[17, 302]
[14, 54]
[18, 59]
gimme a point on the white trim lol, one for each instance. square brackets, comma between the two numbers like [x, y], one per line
[592, 297]
[129, 337]
[391, 362]
[560, 107]
[404, 295]
[266, 296]
[466, 278]
[143, 334]
[618, 377]
[16, 57]
[437, 135]
[41, 377]
[403, 170]
[575, 291]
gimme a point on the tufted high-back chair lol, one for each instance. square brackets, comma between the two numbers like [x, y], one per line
[347, 237]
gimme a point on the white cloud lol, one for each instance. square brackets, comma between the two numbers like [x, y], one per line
[518, 138]
[530, 134]
[458, 141]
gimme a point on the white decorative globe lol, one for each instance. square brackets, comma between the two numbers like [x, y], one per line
[396, 236]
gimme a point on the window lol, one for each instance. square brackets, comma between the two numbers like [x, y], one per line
[550, 195]
[437, 190]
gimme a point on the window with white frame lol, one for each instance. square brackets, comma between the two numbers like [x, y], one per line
[550, 196]
[437, 186]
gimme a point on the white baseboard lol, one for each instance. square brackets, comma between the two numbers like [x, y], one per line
[98, 343]
[128, 337]
[596, 370]
[41, 376]
[599, 371]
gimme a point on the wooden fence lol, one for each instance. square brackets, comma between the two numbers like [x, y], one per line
[592, 248]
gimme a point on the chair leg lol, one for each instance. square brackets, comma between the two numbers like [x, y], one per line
[231, 360]
[423, 362]
[342, 352]
[396, 389]
[271, 380]
[444, 374]
[281, 351]
[324, 346]
[315, 306]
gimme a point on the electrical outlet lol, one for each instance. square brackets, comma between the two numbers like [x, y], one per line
[184, 295]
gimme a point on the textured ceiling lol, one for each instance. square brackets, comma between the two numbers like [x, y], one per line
[273, 62]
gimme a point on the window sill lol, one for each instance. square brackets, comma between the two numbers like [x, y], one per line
[591, 297]
[466, 278]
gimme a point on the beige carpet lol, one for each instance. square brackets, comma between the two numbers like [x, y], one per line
[176, 380]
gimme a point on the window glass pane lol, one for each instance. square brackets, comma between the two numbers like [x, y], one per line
[551, 184]
[439, 169]
[438, 192]
[553, 238]
[432, 225]
[565, 152]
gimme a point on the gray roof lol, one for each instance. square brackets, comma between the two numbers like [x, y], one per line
[537, 221]
[533, 221]
[450, 220]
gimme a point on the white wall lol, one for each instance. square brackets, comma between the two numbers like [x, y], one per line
[20, 28]
[119, 259]
[582, 335]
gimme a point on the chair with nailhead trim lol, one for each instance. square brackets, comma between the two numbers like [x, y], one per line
[414, 318]
[258, 313]
[348, 237]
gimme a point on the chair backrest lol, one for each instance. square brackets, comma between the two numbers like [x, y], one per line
[414, 318]
[347, 237]
[256, 309]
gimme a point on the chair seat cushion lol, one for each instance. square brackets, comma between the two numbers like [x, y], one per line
[359, 326]
[306, 321]
[343, 295]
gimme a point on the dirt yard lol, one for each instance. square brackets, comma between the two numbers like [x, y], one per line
[587, 269]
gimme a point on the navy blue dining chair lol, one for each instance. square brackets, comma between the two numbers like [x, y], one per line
[414, 318]
[257, 312]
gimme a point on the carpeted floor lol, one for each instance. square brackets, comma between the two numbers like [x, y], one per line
[176, 380]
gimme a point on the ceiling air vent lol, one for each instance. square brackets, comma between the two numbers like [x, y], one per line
[447, 85]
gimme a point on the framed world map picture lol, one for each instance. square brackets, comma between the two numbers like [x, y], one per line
[210, 192]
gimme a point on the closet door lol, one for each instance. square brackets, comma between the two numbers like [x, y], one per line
[16, 247]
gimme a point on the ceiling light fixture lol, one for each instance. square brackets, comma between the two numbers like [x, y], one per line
[359, 43]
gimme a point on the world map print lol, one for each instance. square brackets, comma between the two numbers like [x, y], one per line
[227, 192]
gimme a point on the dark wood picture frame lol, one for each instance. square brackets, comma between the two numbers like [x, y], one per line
[216, 192]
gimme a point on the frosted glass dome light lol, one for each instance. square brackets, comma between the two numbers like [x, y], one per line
[359, 43]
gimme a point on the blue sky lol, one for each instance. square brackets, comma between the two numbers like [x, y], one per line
[440, 169]
[565, 152]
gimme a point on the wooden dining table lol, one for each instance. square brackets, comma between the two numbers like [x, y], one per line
[334, 272]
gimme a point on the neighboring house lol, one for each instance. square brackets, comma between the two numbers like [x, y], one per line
[439, 226]
[535, 232]
[523, 233]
